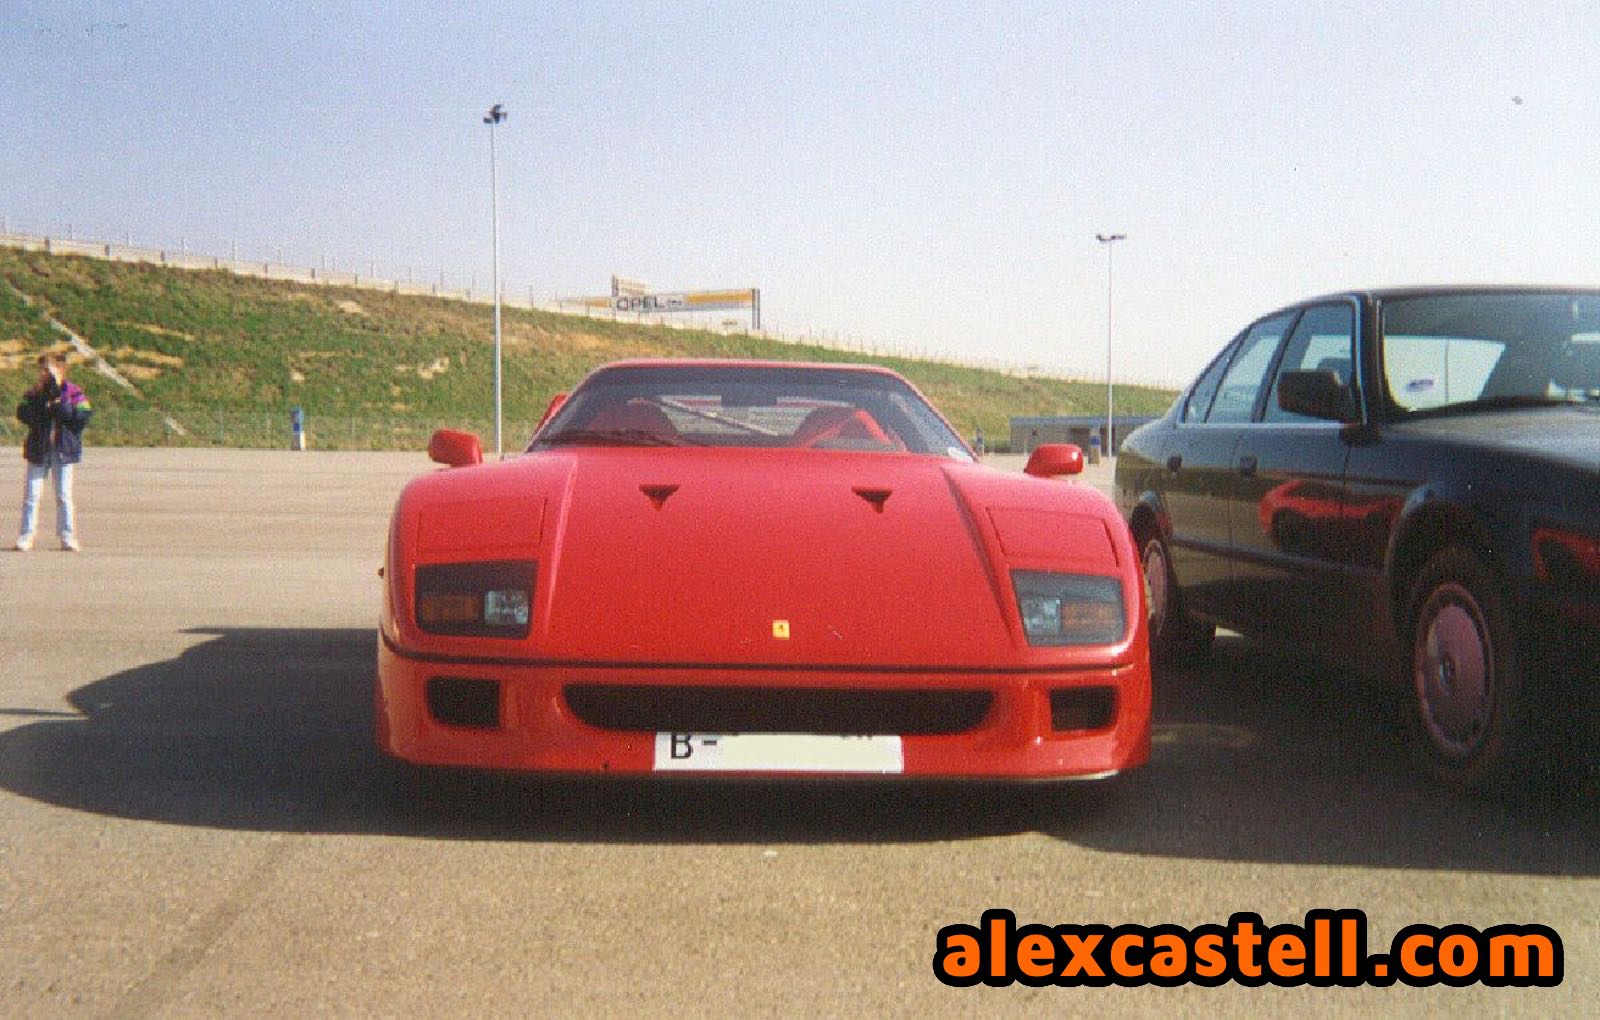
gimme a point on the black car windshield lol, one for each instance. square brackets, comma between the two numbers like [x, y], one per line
[1468, 351]
[749, 406]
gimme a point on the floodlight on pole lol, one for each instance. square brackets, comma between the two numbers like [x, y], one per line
[496, 114]
[1108, 240]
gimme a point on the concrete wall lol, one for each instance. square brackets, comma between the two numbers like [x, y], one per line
[124, 253]
[95, 250]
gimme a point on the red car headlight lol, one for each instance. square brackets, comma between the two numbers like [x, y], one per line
[1069, 609]
[489, 599]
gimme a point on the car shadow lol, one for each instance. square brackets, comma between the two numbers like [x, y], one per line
[1262, 757]
[270, 730]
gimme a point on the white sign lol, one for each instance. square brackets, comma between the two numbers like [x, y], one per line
[684, 301]
[776, 752]
[679, 301]
[622, 286]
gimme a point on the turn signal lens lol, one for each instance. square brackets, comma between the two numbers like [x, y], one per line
[1090, 617]
[433, 610]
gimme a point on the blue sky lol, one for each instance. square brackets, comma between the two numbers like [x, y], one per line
[927, 177]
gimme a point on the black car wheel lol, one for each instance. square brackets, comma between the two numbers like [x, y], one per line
[1174, 637]
[1466, 697]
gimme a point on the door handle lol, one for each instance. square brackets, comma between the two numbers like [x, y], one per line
[1175, 462]
[1247, 465]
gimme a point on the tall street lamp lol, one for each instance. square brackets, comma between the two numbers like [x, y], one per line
[496, 114]
[1108, 240]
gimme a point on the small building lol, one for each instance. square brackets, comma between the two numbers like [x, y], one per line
[1028, 433]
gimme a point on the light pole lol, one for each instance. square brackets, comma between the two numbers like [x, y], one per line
[1108, 240]
[496, 114]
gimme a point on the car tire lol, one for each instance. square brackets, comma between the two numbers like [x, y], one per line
[1465, 696]
[1175, 638]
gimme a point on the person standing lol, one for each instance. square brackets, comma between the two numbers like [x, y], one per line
[55, 412]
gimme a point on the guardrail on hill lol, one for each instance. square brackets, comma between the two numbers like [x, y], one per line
[273, 270]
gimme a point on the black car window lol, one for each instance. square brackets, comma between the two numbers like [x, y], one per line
[1205, 388]
[1323, 341]
[1474, 350]
[1236, 399]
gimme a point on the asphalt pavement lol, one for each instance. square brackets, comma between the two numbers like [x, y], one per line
[194, 823]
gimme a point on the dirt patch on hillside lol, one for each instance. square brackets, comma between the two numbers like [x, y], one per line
[605, 346]
[438, 366]
[301, 362]
[147, 357]
[152, 328]
[133, 363]
[14, 355]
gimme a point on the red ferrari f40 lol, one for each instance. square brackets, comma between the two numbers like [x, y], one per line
[760, 569]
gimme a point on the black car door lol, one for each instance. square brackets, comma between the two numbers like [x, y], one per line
[1198, 473]
[1291, 535]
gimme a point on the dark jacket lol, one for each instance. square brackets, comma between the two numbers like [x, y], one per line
[55, 419]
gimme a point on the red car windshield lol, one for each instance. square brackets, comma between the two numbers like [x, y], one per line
[755, 406]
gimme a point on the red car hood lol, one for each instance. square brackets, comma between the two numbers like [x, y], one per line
[815, 558]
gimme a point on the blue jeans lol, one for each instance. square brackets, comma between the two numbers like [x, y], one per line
[34, 486]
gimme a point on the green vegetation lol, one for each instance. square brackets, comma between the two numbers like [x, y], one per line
[227, 356]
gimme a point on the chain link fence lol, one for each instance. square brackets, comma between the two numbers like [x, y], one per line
[271, 430]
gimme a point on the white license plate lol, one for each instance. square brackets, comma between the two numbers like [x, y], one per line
[776, 752]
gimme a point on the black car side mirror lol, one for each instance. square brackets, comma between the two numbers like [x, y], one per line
[1315, 394]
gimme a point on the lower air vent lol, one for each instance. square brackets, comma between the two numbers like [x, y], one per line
[1082, 708]
[474, 703]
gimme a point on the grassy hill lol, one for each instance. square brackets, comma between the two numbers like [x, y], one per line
[227, 356]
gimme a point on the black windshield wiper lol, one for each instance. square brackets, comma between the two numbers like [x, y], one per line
[611, 437]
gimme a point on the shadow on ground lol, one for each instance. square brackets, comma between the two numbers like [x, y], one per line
[1256, 759]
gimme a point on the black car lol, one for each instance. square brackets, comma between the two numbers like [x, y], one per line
[1402, 481]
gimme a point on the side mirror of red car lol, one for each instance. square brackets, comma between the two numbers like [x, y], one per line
[457, 449]
[549, 412]
[1053, 459]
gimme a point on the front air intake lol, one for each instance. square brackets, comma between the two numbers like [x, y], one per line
[457, 702]
[1082, 708]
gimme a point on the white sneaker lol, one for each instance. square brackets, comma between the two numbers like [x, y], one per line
[70, 545]
[24, 543]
